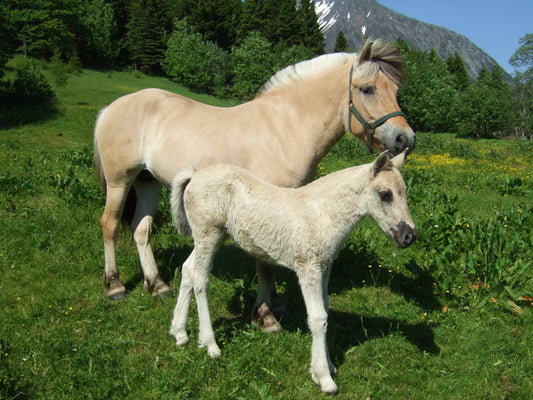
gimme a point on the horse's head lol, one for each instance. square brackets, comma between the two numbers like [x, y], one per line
[387, 202]
[375, 116]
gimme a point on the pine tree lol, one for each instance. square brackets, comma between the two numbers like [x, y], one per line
[148, 26]
[341, 43]
[289, 25]
[311, 34]
[456, 67]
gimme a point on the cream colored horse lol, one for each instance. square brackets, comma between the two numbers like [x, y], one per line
[144, 139]
[302, 229]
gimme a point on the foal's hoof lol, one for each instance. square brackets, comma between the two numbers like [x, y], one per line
[265, 319]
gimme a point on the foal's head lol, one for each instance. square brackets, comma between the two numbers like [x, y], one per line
[374, 84]
[387, 201]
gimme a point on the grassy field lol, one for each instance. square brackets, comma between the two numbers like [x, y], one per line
[448, 318]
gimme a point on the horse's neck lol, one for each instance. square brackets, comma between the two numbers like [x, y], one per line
[312, 116]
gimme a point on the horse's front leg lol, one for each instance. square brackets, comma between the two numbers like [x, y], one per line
[267, 301]
[312, 284]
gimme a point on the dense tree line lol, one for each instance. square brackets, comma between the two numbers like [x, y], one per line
[231, 47]
[438, 96]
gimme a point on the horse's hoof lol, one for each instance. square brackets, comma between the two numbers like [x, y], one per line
[158, 288]
[163, 292]
[116, 290]
[265, 319]
[116, 294]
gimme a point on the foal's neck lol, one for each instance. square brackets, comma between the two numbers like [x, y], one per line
[341, 194]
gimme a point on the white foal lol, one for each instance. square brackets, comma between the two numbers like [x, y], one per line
[302, 229]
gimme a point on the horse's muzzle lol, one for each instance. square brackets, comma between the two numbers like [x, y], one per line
[404, 235]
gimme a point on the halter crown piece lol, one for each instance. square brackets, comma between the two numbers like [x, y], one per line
[369, 126]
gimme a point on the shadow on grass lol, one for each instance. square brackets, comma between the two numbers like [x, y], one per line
[14, 115]
[346, 330]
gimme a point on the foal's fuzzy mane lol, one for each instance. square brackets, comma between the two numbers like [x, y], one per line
[383, 56]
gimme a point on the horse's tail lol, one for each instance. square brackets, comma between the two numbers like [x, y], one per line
[97, 160]
[179, 216]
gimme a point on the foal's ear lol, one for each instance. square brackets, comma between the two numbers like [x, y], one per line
[366, 53]
[382, 162]
[400, 158]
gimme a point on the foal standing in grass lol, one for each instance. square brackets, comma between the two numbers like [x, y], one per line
[302, 229]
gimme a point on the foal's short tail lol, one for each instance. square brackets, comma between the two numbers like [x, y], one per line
[179, 183]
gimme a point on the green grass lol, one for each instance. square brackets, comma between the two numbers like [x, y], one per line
[444, 319]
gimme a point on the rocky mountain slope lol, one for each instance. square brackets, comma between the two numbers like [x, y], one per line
[359, 19]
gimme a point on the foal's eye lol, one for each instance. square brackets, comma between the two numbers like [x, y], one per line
[367, 89]
[385, 196]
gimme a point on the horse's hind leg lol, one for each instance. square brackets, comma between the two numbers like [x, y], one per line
[110, 222]
[264, 307]
[147, 192]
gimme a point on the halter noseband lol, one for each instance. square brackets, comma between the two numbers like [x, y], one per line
[370, 127]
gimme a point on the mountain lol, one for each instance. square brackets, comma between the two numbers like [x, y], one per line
[359, 19]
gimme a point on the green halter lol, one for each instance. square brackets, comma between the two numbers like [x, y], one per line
[370, 127]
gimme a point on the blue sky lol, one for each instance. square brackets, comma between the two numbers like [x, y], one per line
[493, 25]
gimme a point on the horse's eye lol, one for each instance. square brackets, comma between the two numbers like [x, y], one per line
[385, 196]
[367, 89]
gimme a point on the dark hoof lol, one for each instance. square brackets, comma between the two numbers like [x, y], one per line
[115, 289]
[265, 319]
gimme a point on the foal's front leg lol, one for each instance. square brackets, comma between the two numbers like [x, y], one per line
[312, 284]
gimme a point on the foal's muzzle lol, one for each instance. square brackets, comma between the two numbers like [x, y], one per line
[404, 235]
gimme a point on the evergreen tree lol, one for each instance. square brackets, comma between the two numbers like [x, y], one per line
[289, 25]
[456, 67]
[148, 26]
[41, 27]
[311, 34]
[215, 20]
[341, 43]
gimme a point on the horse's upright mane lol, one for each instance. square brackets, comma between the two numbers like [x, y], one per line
[304, 69]
[383, 56]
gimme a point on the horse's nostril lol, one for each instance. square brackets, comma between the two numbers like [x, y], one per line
[400, 140]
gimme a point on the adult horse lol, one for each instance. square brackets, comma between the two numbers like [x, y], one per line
[142, 140]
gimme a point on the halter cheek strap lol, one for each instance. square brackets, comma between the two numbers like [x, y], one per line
[370, 127]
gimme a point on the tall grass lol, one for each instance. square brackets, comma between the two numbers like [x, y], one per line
[448, 318]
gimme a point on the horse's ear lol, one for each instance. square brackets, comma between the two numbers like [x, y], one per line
[400, 158]
[366, 52]
[382, 162]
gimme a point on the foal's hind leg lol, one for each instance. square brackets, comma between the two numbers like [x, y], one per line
[178, 326]
[206, 243]
[110, 222]
[147, 199]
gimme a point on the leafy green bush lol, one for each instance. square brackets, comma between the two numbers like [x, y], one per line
[253, 64]
[194, 63]
[29, 85]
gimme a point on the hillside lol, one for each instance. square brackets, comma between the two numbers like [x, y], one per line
[360, 18]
